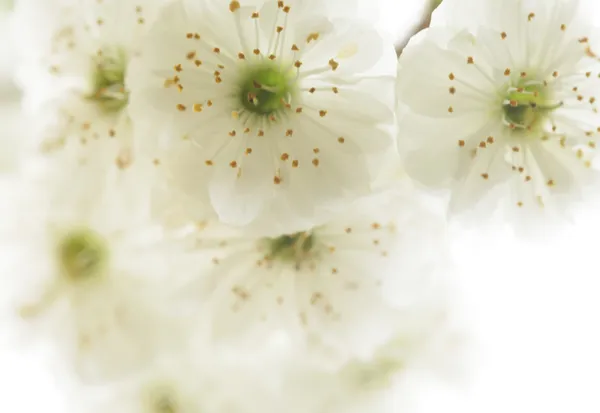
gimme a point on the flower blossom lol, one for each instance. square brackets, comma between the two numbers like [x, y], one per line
[503, 96]
[266, 103]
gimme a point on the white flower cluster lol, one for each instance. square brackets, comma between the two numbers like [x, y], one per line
[212, 213]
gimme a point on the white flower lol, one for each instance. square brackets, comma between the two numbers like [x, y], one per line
[74, 60]
[216, 384]
[84, 265]
[429, 335]
[267, 103]
[276, 377]
[503, 94]
[324, 287]
[211, 381]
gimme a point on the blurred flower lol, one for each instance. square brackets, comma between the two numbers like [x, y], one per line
[85, 267]
[165, 126]
[7, 4]
[276, 378]
[220, 384]
[73, 62]
[333, 289]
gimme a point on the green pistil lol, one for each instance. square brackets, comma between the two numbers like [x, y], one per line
[265, 89]
[526, 107]
[81, 254]
[108, 82]
[291, 247]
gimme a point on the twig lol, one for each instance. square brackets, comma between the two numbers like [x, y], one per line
[423, 24]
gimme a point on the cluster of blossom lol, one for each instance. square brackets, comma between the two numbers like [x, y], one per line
[222, 206]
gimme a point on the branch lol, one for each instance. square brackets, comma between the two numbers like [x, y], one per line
[423, 24]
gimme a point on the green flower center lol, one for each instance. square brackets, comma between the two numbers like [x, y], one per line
[161, 397]
[81, 254]
[375, 374]
[291, 248]
[108, 81]
[7, 5]
[527, 106]
[165, 404]
[266, 89]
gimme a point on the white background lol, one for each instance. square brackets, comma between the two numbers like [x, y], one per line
[534, 307]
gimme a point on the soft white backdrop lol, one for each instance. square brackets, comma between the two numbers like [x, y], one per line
[534, 307]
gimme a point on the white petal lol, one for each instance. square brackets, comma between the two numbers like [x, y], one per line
[487, 170]
[450, 86]
[239, 193]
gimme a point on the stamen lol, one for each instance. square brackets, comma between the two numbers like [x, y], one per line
[238, 26]
[256, 32]
[285, 22]
[273, 32]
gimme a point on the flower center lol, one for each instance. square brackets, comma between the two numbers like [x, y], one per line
[108, 81]
[291, 248]
[527, 106]
[266, 88]
[375, 374]
[162, 398]
[165, 404]
[81, 254]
